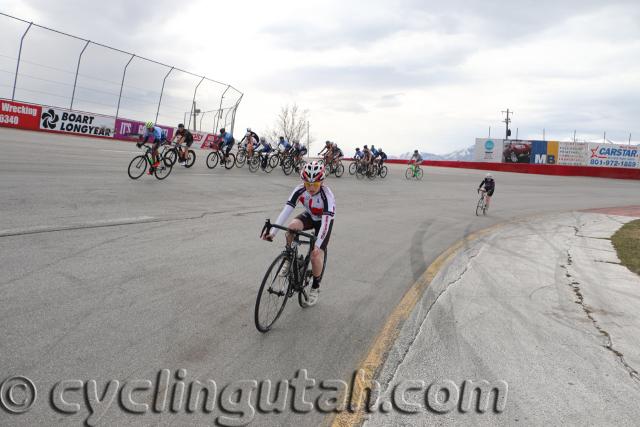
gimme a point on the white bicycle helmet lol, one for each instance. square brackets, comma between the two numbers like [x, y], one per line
[488, 175]
[313, 172]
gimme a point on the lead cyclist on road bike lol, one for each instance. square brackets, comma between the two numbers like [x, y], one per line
[155, 134]
[489, 186]
[320, 207]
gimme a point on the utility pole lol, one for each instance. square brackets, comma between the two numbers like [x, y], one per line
[604, 137]
[308, 148]
[194, 115]
[489, 131]
[544, 134]
[507, 132]
[516, 134]
[629, 139]
[574, 135]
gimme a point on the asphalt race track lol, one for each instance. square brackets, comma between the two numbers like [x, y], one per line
[107, 278]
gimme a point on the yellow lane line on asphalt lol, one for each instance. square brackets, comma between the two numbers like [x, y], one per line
[385, 339]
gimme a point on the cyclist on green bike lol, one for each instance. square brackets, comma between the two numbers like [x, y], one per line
[183, 136]
[415, 161]
[153, 133]
[489, 186]
[320, 207]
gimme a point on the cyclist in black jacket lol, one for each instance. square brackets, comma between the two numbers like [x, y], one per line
[186, 137]
[489, 186]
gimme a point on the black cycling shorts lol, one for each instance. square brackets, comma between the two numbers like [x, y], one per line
[308, 223]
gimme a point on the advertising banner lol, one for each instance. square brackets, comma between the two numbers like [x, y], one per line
[552, 152]
[539, 154]
[572, 153]
[488, 150]
[613, 155]
[19, 115]
[516, 151]
[131, 129]
[60, 120]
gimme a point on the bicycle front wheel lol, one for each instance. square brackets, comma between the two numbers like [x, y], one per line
[383, 171]
[272, 296]
[212, 159]
[137, 167]
[170, 156]
[254, 163]
[352, 168]
[339, 170]
[241, 158]
[480, 206]
[419, 174]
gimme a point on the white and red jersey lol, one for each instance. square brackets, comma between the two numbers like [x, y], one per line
[321, 207]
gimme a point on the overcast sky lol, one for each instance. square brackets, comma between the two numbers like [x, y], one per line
[402, 74]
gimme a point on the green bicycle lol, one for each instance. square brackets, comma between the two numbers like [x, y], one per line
[414, 171]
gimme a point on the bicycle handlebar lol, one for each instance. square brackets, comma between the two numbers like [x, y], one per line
[268, 226]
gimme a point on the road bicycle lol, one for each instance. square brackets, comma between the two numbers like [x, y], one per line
[276, 288]
[258, 161]
[481, 207]
[218, 156]
[336, 168]
[414, 171]
[139, 165]
[171, 152]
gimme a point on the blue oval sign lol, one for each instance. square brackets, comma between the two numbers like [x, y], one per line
[488, 145]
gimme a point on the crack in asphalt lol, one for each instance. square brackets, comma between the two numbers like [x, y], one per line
[116, 223]
[415, 335]
[608, 341]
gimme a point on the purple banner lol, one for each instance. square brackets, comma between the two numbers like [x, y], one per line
[129, 129]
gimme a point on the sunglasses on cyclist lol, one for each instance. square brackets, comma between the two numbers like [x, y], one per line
[312, 185]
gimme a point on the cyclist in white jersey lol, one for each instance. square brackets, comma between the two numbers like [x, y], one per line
[320, 206]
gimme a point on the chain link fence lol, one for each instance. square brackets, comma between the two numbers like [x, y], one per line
[45, 66]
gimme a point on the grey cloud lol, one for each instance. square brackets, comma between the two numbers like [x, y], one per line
[390, 100]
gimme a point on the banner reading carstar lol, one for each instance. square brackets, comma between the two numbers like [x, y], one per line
[19, 115]
[613, 155]
[60, 120]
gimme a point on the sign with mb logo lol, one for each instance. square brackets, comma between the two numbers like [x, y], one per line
[544, 152]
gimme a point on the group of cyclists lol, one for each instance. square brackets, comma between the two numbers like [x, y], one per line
[317, 199]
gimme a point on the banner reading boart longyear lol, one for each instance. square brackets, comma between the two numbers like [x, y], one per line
[81, 123]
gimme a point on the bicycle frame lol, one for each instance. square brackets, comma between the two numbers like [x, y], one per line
[295, 267]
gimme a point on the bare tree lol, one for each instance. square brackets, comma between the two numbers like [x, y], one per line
[292, 123]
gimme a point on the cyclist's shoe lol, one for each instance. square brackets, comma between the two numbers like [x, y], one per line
[151, 170]
[285, 268]
[314, 294]
[156, 164]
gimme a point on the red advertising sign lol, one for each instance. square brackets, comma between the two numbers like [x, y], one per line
[19, 115]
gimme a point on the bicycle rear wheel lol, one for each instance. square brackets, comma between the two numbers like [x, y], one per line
[272, 296]
[230, 161]
[137, 167]
[409, 173]
[212, 159]
[191, 158]
[162, 171]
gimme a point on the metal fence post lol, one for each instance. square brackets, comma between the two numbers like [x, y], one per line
[75, 82]
[233, 116]
[161, 92]
[15, 80]
[194, 103]
[124, 73]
